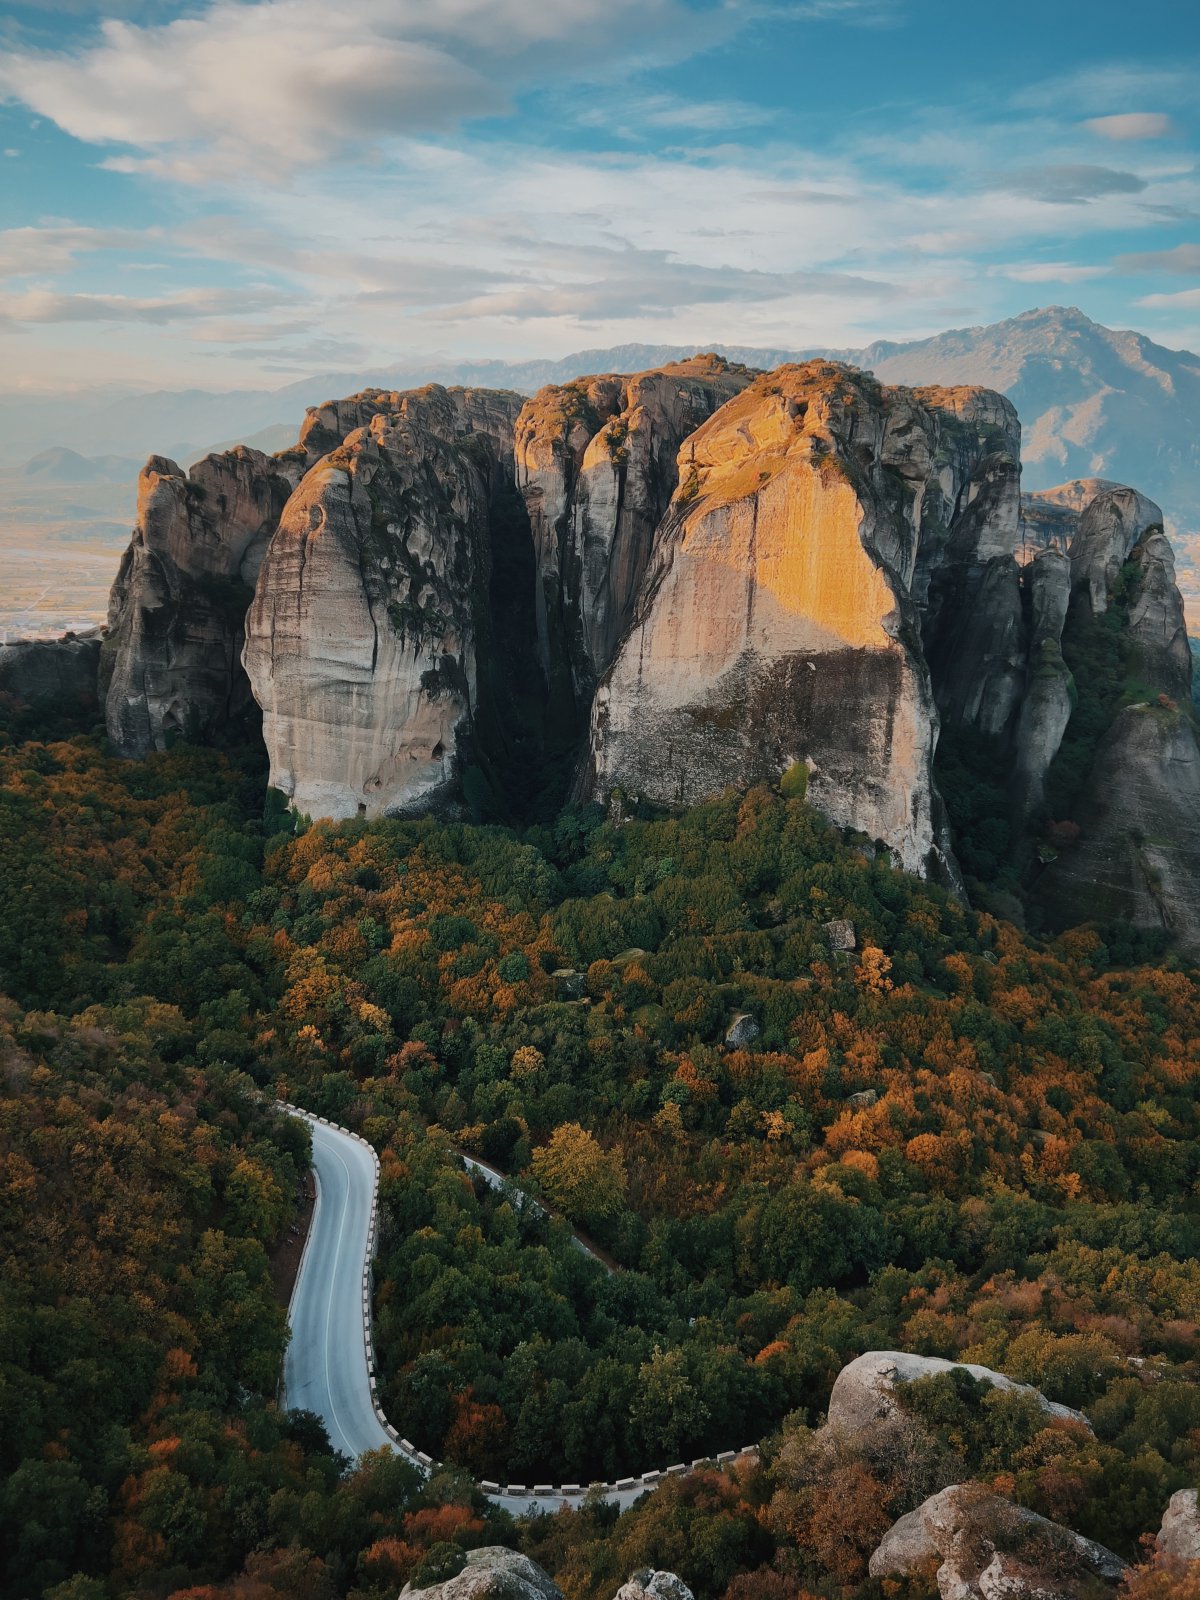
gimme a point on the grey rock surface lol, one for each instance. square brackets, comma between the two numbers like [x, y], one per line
[864, 1392]
[986, 1548]
[493, 1572]
[1179, 1537]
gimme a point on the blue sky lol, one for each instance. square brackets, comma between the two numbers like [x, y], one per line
[230, 194]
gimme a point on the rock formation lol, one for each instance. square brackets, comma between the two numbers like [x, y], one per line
[819, 521]
[983, 1547]
[651, 1585]
[732, 576]
[361, 645]
[1179, 1537]
[492, 1572]
[1138, 806]
[596, 461]
[63, 670]
[169, 664]
[864, 1392]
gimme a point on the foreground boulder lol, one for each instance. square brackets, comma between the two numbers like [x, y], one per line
[361, 645]
[493, 1573]
[651, 1585]
[865, 1391]
[171, 661]
[1179, 1537]
[983, 1547]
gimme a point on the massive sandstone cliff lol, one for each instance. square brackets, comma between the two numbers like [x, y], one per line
[169, 663]
[822, 526]
[362, 642]
[596, 462]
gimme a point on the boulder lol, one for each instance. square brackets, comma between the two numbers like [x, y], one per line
[493, 1573]
[864, 1393]
[1179, 1537]
[742, 1032]
[839, 934]
[984, 1547]
[651, 1585]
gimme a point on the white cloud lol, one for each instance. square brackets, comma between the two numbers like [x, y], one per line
[28, 251]
[47, 306]
[1051, 272]
[1184, 300]
[1132, 125]
[288, 82]
[1183, 259]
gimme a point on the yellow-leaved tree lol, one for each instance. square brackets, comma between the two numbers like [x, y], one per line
[579, 1176]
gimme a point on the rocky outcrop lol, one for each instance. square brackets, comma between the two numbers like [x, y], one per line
[361, 645]
[492, 1573]
[651, 1585]
[450, 413]
[60, 670]
[865, 1391]
[819, 523]
[1138, 856]
[170, 662]
[983, 1547]
[1179, 1537]
[596, 462]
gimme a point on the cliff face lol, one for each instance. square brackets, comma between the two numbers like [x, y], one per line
[175, 621]
[819, 522]
[596, 464]
[361, 645]
[1137, 858]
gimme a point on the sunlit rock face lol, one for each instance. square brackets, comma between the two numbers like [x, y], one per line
[596, 462]
[361, 645]
[170, 662]
[779, 618]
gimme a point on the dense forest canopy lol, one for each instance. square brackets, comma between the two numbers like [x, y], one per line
[952, 1139]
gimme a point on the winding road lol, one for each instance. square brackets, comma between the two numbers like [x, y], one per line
[329, 1366]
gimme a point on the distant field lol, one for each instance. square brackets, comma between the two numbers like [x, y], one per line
[56, 580]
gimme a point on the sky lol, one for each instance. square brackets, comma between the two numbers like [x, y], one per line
[229, 195]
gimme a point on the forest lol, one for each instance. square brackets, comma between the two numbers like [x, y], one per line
[951, 1138]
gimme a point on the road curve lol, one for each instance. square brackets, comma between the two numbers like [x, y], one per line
[325, 1369]
[328, 1365]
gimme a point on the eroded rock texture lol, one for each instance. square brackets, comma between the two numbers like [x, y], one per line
[1138, 809]
[819, 523]
[60, 670]
[596, 462]
[983, 1547]
[864, 1392]
[361, 645]
[493, 1572]
[170, 662]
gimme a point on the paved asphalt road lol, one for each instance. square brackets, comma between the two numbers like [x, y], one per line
[325, 1369]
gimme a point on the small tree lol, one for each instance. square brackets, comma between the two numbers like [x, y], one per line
[579, 1176]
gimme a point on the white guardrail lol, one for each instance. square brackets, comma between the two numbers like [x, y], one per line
[622, 1489]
